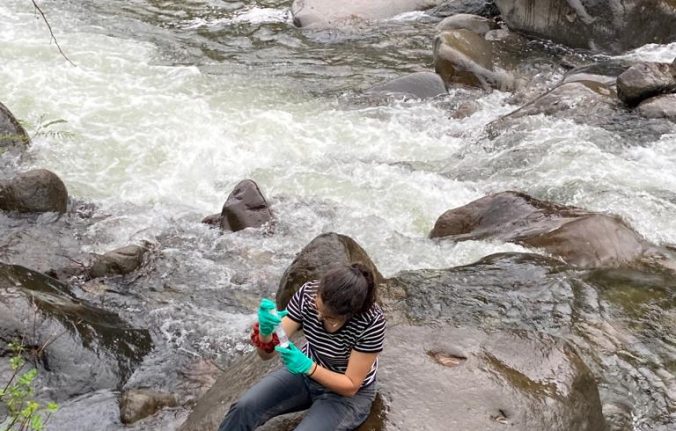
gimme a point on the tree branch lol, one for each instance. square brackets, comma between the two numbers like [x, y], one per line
[44, 18]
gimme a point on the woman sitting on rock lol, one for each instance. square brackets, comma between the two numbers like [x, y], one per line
[334, 374]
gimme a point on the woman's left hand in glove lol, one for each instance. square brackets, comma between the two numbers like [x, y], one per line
[295, 360]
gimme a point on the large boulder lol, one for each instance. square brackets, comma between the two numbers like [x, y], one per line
[37, 190]
[120, 261]
[419, 85]
[12, 134]
[466, 58]
[609, 25]
[317, 13]
[434, 378]
[579, 237]
[245, 207]
[468, 379]
[645, 80]
[82, 348]
[659, 107]
[316, 258]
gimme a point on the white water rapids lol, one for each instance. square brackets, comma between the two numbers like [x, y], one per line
[158, 144]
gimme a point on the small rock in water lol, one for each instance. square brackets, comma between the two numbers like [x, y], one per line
[137, 404]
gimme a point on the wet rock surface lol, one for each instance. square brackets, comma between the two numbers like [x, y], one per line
[38, 190]
[419, 85]
[609, 25]
[316, 258]
[579, 237]
[611, 320]
[68, 334]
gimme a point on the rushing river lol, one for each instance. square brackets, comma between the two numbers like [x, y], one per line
[171, 103]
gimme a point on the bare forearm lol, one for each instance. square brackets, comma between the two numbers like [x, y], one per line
[337, 382]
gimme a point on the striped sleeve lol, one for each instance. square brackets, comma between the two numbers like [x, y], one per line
[295, 305]
[373, 337]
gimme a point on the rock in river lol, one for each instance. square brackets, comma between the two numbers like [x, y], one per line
[316, 258]
[38, 190]
[579, 237]
[81, 348]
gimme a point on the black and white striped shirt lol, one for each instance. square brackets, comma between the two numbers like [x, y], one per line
[364, 332]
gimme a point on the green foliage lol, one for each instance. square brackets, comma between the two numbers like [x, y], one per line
[24, 413]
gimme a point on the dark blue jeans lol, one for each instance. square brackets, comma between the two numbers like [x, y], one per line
[282, 392]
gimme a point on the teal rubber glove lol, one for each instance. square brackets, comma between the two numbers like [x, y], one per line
[295, 360]
[268, 317]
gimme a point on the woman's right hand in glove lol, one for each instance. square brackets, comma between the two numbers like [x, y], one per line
[268, 317]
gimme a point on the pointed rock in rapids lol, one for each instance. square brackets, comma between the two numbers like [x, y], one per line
[245, 207]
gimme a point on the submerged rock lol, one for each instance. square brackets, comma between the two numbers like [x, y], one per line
[610, 25]
[419, 85]
[313, 13]
[12, 134]
[463, 57]
[577, 236]
[659, 107]
[645, 80]
[136, 404]
[316, 258]
[120, 261]
[245, 207]
[82, 348]
[37, 190]
[585, 102]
